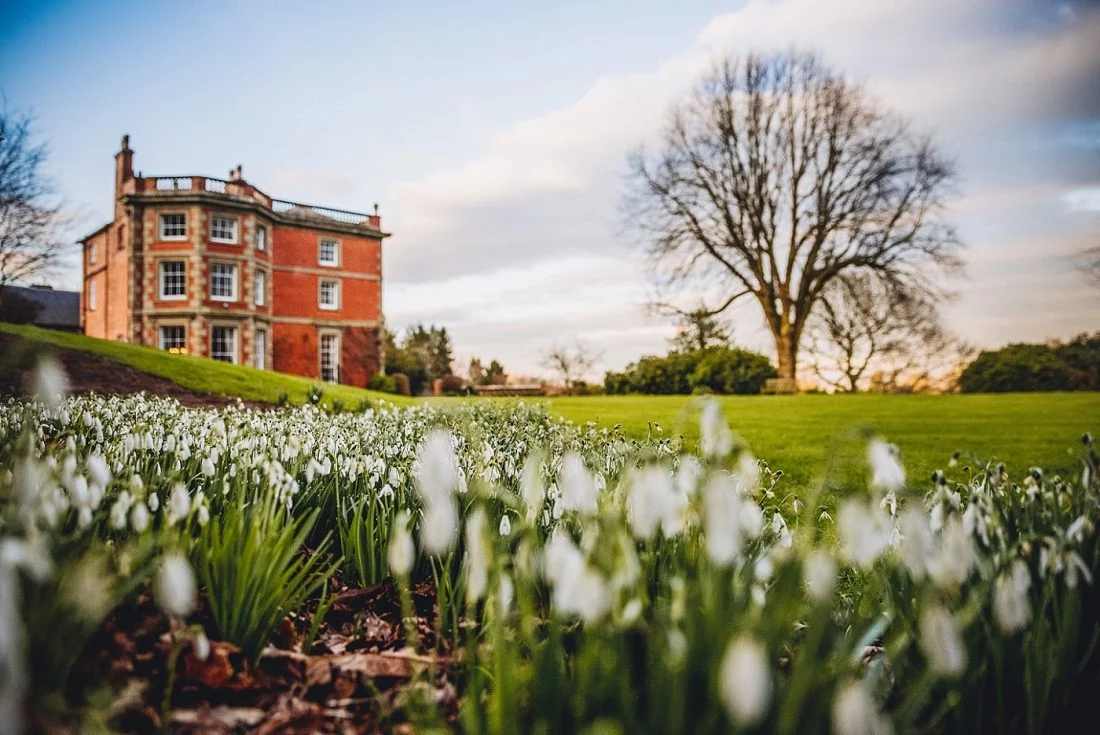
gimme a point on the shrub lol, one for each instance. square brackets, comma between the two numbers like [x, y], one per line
[1031, 367]
[452, 385]
[315, 395]
[401, 384]
[382, 382]
[709, 370]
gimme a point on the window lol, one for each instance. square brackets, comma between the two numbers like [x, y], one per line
[91, 296]
[261, 348]
[261, 237]
[223, 281]
[330, 358]
[173, 280]
[223, 229]
[259, 287]
[173, 227]
[328, 253]
[93, 251]
[223, 344]
[174, 339]
[330, 295]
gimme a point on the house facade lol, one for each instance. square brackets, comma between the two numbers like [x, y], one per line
[217, 268]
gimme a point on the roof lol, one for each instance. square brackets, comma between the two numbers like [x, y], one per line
[58, 308]
[86, 238]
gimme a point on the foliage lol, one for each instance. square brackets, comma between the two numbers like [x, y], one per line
[727, 370]
[492, 375]
[1073, 365]
[424, 354]
[452, 385]
[401, 384]
[699, 329]
[382, 383]
[776, 175]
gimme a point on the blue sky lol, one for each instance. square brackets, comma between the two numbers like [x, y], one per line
[493, 136]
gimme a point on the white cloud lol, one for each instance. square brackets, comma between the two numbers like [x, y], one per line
[521, 240]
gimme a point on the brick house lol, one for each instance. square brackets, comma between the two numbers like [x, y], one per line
[217, 268]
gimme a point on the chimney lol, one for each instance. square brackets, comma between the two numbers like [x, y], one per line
[124, 165]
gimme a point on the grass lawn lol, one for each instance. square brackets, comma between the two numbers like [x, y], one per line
[797, 433]
[201, 374]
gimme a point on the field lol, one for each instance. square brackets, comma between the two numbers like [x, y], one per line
[489, 567]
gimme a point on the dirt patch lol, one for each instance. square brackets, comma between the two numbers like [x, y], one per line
[89, 373]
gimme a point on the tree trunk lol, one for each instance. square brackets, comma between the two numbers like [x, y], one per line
[786, 351]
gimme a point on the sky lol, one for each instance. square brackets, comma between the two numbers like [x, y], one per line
[494, 136]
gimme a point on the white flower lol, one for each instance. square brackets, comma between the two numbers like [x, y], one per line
[477, 557]
[179, 503]
[917, 544]
[200, 645]
[722, 522]
[1011, 603]
[50, 383]
[505, 527]
[578, 488]
[886, 471]
[507, 593]
[819, 576]
[98, 472]
[531, 488]
[954, 556]
[687, 477]
[401, 552]
[942, 643]
[855, 713]
[632, 611]
[174, 589]
[208, 468]
[716, 437]
[436, 471]
[650, 501]
[864, 532]
[578, 588]
[139, 518]
[745, 685]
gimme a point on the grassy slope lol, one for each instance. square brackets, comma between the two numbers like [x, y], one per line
[200, 374]
[797, 433]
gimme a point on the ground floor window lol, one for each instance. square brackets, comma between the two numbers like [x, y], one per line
[174, 339]
[223, 344]
[261, 348]
[330, 357]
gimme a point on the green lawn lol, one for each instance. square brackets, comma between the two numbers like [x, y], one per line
[798, 433]
[201, 374]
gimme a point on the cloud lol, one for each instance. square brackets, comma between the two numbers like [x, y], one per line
[1001, 85]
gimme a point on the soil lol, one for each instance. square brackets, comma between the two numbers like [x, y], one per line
[90, 373]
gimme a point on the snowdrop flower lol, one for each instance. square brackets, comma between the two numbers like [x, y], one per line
[864, 532]
[200, 646]
[745, 685]
[887, 473]
[722, 519]
[531, 488]
[819, 576]
[650, 500]
[917, 544]
[1011, 605]
[942, 643]
[153, 501]
[208, 468]
[632, 611]
[578, 489]
[139, 518]
[505, 527]
[578, 589]
[855, 713]
[477, 558]
[179, 503]
[401, 552]
[507, 592]
[98, 472]
[174, 589]
[437, 466]
[50, 383]
[439, 527]
[954, 555]
[716, 437]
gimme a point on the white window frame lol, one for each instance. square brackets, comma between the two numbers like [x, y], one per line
[93, 253]
[160, 336]
[236, 278]
[321, 356]
[161, 293]
[259, 287]
[260, 243]
[335, 262]
[236, 346]
[161, 229]
[335, 305]
[260, 345]
[91, 296]
[236, 229]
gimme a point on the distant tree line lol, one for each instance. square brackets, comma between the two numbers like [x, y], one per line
[423, 354]
[1072, 365]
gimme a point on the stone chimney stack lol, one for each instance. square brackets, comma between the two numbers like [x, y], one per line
[124, 165]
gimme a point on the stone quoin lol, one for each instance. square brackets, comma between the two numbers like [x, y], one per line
[217, 268]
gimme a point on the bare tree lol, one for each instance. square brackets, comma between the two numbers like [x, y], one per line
[698, 329]
[864, 328]
[776, 176]
[1089, 264]
[31, 220]
[571, 363]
